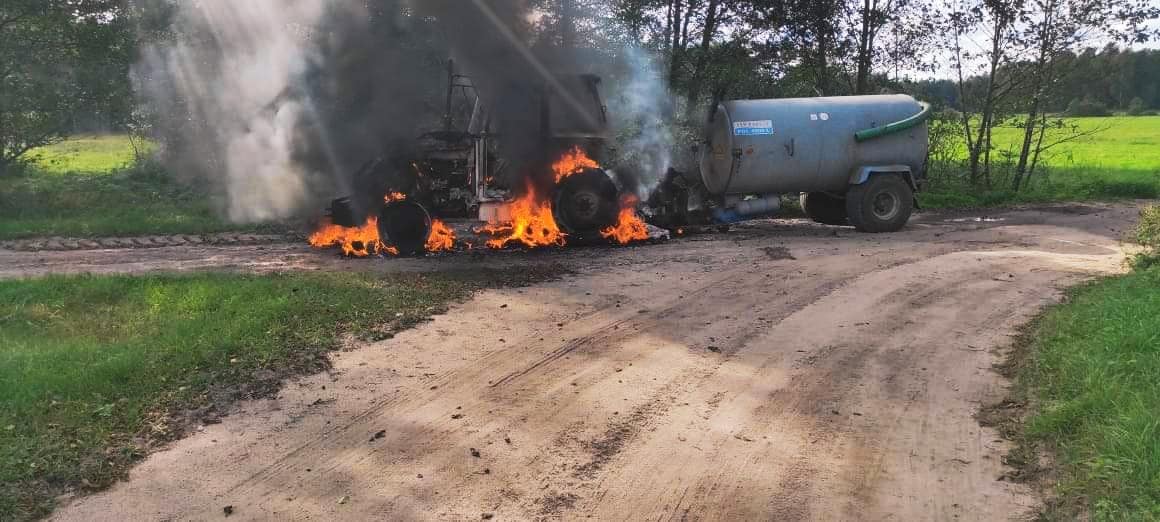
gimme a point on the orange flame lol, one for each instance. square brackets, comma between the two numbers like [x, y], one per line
[354, 241]
[629, 226]
[532, 224]
[364, 241]
[573, 162]
[442, 237]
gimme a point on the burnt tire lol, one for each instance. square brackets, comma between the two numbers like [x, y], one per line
[405, 226]
[883, 203]
[586, 203]
[824, 208]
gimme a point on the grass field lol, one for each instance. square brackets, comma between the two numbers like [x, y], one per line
[89, 363]
[91, 186]
[1090, 374]
[89, 154]
[1120, 161]
[1130, 143]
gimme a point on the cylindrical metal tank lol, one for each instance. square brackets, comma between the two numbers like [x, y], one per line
[806, 144]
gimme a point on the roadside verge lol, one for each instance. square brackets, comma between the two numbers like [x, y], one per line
[1085, 411]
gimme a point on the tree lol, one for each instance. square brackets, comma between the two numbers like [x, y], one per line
[712, 17]
[980, 104]
[59, 59]
[803, 34]
[679, 13]
[873, 17]
[1136, 107]
[1086, 106]
[1056, 27]
[567, 24]
[814, 24]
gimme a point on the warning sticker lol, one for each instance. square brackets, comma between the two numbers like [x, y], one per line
[753, 128]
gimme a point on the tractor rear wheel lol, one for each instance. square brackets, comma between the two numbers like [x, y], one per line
[586, 203]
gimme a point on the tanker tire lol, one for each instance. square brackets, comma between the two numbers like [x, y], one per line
[824, 208]
[882, 204]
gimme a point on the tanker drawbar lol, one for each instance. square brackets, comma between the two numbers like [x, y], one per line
[856, 160]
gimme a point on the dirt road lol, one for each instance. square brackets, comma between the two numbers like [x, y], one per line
[785, 371]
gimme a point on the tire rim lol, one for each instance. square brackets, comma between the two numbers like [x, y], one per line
[584, 206]
[885, 206]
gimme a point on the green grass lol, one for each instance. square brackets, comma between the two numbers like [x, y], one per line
[1093, 376]
[1129, 143]
[86, 363]
[1120, 162]
[1148, 235]
[89, 154]
[1095, 371]
[91, 186]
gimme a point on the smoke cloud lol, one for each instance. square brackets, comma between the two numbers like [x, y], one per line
[276, 104]
[641, 108]
[218, 85]
[493, 40]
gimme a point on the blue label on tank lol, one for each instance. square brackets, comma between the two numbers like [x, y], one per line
[753, 128]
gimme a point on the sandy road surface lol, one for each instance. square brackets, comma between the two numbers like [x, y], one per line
[777, 373]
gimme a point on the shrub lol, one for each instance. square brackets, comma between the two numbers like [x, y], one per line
[948, 114]
[1087, 107]
[1148, 235]
[1136, 107]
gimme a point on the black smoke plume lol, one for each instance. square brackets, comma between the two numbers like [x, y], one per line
[277, 104]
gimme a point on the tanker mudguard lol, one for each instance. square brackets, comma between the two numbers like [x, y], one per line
[862, 174]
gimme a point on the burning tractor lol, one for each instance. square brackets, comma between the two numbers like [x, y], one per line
[526, 164]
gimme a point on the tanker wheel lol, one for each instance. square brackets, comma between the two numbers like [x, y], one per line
[882, 204]
[824, 208]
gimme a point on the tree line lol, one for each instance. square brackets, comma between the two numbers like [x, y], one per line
[1108, 79]
[1004, 62]
[65, 63]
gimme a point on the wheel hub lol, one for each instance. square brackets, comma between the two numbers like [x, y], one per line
[584, 205]
[886, 206]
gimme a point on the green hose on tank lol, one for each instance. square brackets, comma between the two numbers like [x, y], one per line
[898, 126]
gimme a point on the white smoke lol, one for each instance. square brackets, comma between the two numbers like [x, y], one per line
[641, 110]
[221, 84]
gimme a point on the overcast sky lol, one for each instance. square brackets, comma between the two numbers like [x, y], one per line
[975, 43]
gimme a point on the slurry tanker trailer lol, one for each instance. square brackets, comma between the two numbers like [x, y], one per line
[856, 160]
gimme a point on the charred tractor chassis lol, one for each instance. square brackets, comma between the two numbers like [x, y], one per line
[489, 151]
